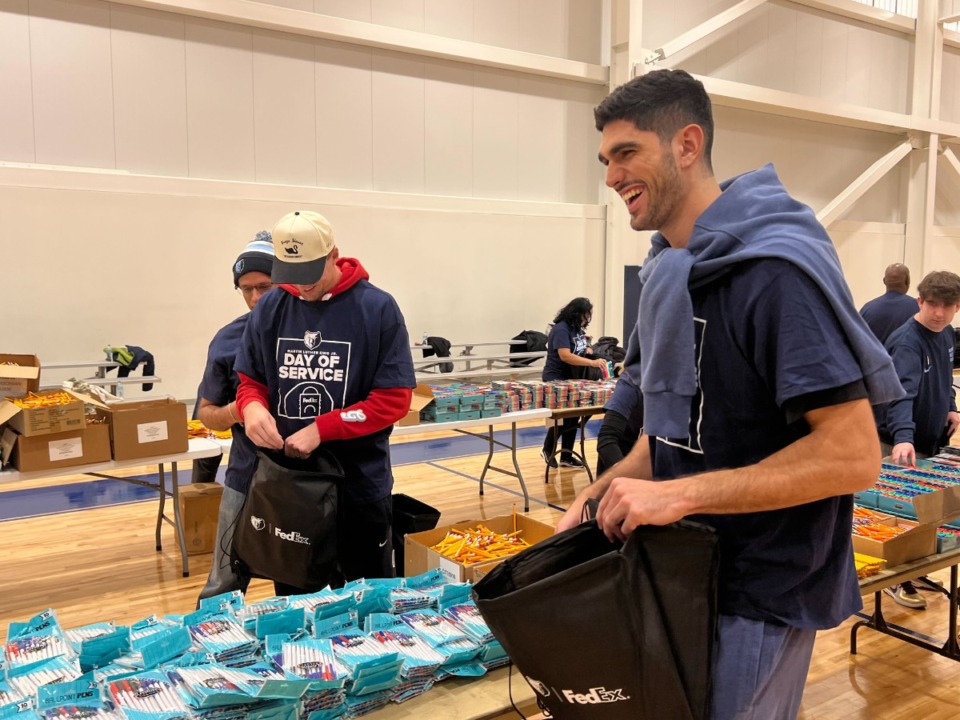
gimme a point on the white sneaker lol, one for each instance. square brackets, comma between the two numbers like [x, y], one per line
[907, 596]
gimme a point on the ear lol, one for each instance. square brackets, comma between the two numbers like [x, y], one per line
[688, 145]
[335, 253]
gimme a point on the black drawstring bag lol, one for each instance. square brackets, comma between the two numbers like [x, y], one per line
[606, 631]
[287, 529]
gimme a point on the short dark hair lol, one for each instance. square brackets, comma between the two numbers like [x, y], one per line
[662, 101]
[940, 286]
[574, 312]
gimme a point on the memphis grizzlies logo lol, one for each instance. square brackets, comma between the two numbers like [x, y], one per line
[312, 339]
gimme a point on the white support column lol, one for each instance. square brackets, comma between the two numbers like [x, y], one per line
[924, 102]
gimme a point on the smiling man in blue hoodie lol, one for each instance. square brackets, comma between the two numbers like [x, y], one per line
[757, 377]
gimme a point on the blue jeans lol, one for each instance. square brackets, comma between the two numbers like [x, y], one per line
[760, 669]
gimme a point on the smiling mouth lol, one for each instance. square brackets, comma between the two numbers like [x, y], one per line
[631, 196]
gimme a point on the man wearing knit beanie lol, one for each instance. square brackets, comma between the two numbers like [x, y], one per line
[217, 408]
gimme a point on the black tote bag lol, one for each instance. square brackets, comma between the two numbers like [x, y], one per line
[287, 529]
[605, 631]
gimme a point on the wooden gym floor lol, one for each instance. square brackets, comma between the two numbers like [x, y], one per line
[99, 564]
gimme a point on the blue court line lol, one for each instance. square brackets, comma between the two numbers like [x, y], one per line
[70, 497]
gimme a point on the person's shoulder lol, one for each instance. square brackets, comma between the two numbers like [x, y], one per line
[907, 335]
[232, 329]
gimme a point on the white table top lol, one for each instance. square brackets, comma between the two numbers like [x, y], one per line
[197, 448]
[505, 419]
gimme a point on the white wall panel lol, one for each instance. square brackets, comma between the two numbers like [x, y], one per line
[344, 116]
[781, 56]
[285, 108]
[497, 22]
[542, 27]
[292, 4]
[857, 78]
[149, 90]
[950, 82]
[352, 9]
[220, 100]
[889, 71]
[584, 30]
[72, 88]
[864, 255]
[540, 140]
[16, 109]
[449, 18]
[752, 48]
[448, 121]
[398, 124]
[582, 174]
[833, 69]
[406, 14]
[948, 195]
[495, 135]
[808, 56]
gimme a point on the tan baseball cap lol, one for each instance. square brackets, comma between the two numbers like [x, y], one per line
[302, 240]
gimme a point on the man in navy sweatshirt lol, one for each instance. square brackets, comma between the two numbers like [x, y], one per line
[892, 309]
[325, 359]
[757, 375]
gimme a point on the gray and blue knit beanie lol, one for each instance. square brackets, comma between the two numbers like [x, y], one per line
[257, 256]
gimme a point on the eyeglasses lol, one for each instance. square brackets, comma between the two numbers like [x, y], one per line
[249, 290]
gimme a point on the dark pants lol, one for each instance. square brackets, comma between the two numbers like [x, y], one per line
[365, 546]
[568, 436]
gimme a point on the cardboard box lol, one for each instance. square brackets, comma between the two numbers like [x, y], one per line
[147, 428]
[58, 450]
[418, 557]
[20, 377]
[199, 509]
[917, 542]
[43, 420]
[422, 396]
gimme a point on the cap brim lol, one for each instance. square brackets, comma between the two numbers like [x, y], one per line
[301, 273]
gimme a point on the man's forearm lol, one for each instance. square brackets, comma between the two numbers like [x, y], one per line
[217, 417]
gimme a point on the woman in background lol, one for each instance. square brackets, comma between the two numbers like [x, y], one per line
[568, 356]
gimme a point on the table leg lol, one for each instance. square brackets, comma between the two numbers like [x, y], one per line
[516, 467]
[486, 465]
[952, 648]
[177, 522]
[583, 450]
[162, 488]
[553, 451]
[876, 622]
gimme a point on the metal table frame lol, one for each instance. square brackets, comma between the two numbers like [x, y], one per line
[583, 414]
[911, 571]
[464, 427]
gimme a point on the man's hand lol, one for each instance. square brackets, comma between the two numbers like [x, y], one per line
[904, 454]
[629, 503]
[571, 518]
[600, 363]
[261, 427]
[953, 421]
[303, 442]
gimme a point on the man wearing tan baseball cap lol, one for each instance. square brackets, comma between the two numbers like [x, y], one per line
[326, 360]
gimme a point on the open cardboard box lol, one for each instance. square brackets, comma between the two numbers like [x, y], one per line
[20, 377]
[43, 420]
[418, 557]
[932, 510]
[422, 396]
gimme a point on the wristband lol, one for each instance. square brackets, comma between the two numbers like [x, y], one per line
[230, 406]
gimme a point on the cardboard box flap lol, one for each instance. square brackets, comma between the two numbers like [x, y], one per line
[422, 396]
[7, 442]
[7, 411]
[89, 399]
[939, 507]
[20, 372]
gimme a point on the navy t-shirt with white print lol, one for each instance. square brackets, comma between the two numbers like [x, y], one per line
[315, 357]
[562, 335]
[769, 349]
[219, 386]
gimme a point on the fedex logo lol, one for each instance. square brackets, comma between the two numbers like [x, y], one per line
[595, 696]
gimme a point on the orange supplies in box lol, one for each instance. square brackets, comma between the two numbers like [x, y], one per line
[19, 375]
[57, 450]
[43, 413]
[199, 508]
[895, 540]
[419, 555]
